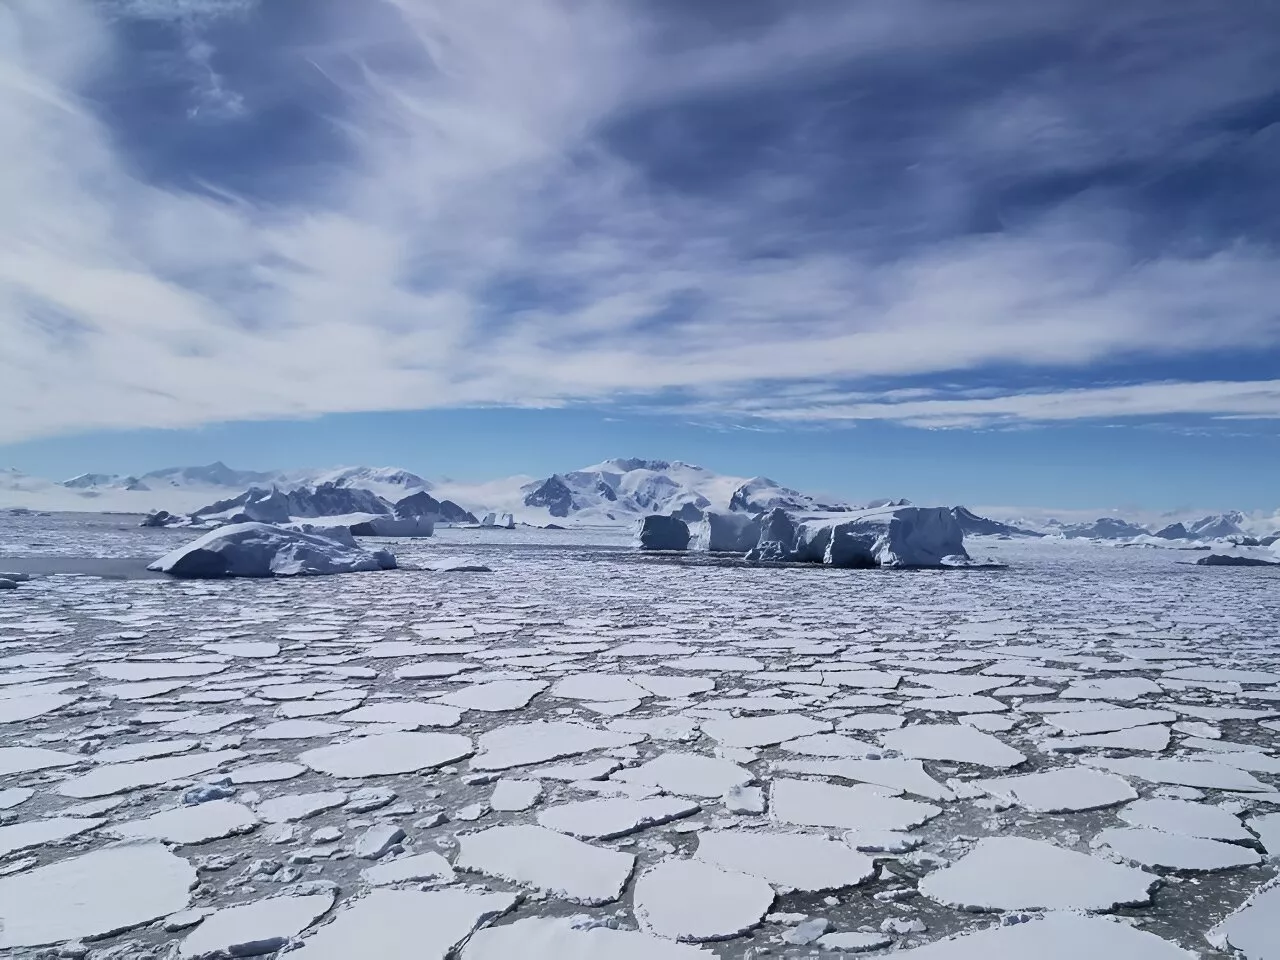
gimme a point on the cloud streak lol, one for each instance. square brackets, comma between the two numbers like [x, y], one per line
[492, 236]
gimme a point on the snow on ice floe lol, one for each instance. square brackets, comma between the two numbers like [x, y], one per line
[865, 806]
[798, 861]
[1267, 827]
[1254, 929]
[407, 714]
[252, 929]
[896, 773]
[299, 806]
[1153, 739]
[955, 742]
[1054, 936]
[520, 745]
[693, 900]
[495, 696]
[1171, 851]
[1185, 817]
[548, 861]
[85, 896]
[610, 817]
[191, 824]
[1063, 790]
[382, 754]
[573, 938]
[17, 709]
[1017, 873]
[404, 925]
[688, 775]
[514, 795]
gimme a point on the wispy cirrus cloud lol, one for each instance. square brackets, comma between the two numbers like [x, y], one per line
[548, 203]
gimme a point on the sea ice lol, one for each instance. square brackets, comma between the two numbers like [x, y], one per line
[515, 795]
[1186, 818]
[1189, 773]
[954, 742]
[252, 929]
[1254, 929]
[762, 731]
[573, 938]
[84, 896]
[262, 550]
[1054, 936]
[1063, 790]
[524, 744]
[865, 806]
[611, 817]
[418, 867]
[38, 833]
[121, 777]
[1089, 722]
[383, 754]
[698, 901]
[1171, 851]
[548, 861]
[404, 925]
[191, 824]
[1016, 873]
[688, 775]
[800, 861]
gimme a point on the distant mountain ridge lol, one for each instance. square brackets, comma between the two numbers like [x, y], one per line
[613, 491]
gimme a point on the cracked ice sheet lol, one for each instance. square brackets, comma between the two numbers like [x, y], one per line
[548, 861]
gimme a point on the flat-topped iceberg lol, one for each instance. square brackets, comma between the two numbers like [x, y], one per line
[261, 550]
[889, 536]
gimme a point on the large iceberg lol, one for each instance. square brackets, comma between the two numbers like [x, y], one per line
[658, 532]
[261, 550]
[726, 533]
[891, 536]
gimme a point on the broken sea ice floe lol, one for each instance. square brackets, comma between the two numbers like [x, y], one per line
[955, 742]
[1064, 790]
[608, 818]
[865, 806]
[1017, 873]
[1169, 851]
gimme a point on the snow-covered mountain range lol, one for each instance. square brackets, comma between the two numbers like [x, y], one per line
[612, 492]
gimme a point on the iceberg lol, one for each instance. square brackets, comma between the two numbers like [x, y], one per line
[261, 550]
[663, 533]
[726, 533]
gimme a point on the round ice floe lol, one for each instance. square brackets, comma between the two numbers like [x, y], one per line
[94, 895]
[1064, 790]
[1155, 848]
[1016, 873]
[694, 900]
[1186, 818]
[688, 775]
[611, 817]
[803, 862]
[252, 929]
[1054, 936]
[388, 753]
[494, 696]
[547, 860]
[573, 938]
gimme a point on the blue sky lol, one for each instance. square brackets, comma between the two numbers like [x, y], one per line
[995, 250]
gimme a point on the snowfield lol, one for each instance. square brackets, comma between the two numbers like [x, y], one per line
[588, 751]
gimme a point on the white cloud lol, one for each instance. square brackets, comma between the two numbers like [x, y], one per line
[123, 303]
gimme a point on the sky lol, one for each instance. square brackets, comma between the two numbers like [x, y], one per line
[994, 250]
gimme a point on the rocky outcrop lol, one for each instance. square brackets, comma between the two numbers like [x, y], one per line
[555, 495]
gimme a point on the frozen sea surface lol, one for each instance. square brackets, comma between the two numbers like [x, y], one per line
[277, 763]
